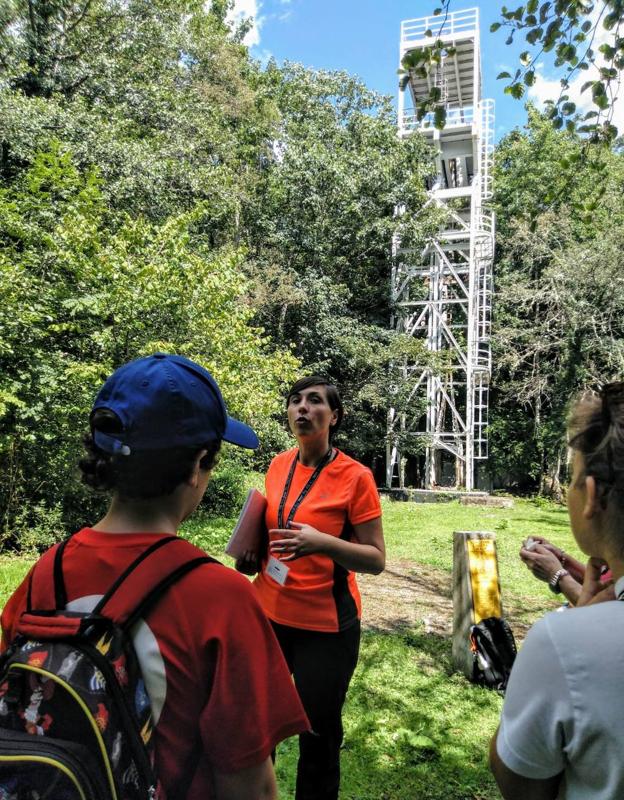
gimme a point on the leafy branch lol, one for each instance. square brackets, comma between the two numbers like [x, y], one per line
[566, 28]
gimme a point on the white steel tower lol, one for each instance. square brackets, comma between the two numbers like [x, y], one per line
[443, 294]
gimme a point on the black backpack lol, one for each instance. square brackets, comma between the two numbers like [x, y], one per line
[75, 717]
[493, 653]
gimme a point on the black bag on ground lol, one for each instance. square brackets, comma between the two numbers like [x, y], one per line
[493, 651]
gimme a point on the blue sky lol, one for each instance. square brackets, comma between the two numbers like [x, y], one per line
[362, 37]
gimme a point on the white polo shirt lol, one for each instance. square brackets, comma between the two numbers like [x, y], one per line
[564, 706]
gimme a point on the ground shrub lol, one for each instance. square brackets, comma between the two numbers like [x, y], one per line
[226, 490]
[38, 527]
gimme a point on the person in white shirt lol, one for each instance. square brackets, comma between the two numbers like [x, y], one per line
[561, 733]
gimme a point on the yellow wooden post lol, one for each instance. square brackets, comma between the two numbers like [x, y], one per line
[476, 590]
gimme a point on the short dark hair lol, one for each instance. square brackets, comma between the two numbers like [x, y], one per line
[333, 397]
[144, 474]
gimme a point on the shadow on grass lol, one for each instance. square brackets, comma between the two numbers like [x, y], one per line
[407, 595]
[521, 611]
[414, 728]
[427, 583]
[546, 519]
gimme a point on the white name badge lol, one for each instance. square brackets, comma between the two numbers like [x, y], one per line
[277, 570]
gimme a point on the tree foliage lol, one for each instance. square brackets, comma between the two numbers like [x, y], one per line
[319, 232]
[167, 104]
[79, 296]
[159, 190]
[569, 29]
[560, 294]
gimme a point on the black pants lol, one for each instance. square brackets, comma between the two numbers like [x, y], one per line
[322, 665]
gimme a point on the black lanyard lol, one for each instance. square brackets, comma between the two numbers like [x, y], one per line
[280, 513]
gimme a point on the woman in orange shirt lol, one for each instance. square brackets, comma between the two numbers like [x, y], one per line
[324, 523]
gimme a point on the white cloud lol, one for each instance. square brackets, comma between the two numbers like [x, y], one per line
[549, 88]
[244, 9]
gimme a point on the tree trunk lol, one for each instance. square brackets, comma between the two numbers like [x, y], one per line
[551, 482]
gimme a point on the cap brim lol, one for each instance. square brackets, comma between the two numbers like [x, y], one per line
[237, 432]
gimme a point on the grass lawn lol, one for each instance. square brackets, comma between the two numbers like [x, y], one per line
[413, 728]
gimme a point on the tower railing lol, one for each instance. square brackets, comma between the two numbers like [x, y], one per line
[455, 117]
[456, 23]
[485, 114]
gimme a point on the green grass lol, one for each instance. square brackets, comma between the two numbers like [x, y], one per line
[413, 727]
[422, 533]
[12, 571]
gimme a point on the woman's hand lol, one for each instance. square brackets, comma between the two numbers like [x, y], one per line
[298, 540]
[248, 563]
[366, 552]
[556, 551]
[540, 540]
[541, 561]
[594, 590]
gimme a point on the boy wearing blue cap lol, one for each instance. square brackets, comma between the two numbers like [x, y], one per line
[220, 691]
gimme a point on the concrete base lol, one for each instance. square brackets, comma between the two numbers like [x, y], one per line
[446, 496]
[488, 500]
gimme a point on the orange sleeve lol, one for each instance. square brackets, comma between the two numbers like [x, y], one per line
[364, 504]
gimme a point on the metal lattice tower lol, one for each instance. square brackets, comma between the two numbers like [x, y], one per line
[443, 295]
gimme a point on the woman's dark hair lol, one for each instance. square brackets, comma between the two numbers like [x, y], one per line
[333, 398]
[596, 429]
[141, 475]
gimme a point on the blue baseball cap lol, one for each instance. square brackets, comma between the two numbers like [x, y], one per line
[166, 401]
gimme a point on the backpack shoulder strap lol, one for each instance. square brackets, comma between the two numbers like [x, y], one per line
[46, 589]
[152, 575]
[148, 577]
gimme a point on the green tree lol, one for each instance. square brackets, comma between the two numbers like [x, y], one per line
[559, 294]
[319, 230]
[569, 29]
[81, 293]
[278, 188]
[159, 95]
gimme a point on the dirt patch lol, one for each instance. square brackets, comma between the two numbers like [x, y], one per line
[408, 595]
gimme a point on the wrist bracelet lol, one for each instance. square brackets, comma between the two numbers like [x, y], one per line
[554, 581]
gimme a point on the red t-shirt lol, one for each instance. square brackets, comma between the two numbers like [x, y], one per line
[213, 669]
[318, 594]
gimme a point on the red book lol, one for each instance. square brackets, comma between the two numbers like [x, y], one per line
[249, 534]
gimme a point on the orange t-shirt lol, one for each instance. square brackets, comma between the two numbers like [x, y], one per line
[318, 594]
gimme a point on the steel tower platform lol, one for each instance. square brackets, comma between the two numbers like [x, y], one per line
[443, 295]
